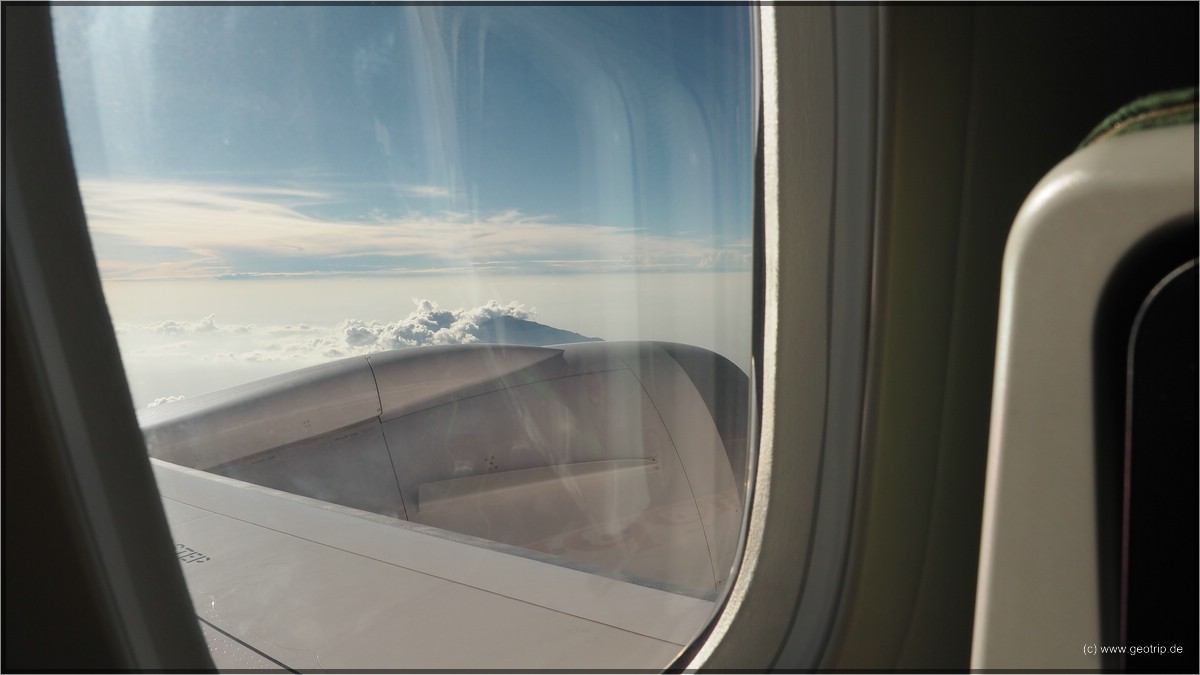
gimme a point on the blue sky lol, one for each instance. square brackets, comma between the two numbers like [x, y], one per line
[235, 141]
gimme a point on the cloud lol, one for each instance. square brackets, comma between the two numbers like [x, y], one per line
[206, 325]
[210, 230]
[304, 344]
[358, 335]
[428, 325]
[730, 259]
[428, 191]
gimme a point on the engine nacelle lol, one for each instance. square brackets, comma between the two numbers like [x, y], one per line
[627, 459]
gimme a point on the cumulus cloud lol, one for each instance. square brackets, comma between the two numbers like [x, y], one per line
[206, 325]
[357, 334]
[213, 230]
[727, 260]
[429, 324]
[304, 344]
[170, 327]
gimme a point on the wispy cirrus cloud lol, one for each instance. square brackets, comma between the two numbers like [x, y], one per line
[149, 229]
[429, 191]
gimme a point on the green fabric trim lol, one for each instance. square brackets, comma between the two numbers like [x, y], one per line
[1156, 110]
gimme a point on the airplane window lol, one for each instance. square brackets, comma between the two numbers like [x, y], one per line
[437, 319]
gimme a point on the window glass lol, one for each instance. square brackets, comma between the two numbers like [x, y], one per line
[477, 273]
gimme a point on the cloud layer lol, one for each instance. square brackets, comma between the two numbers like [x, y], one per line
[427, 325]
[158, 348]
[178, 230]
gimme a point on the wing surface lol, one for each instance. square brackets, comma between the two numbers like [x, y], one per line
[286, 581]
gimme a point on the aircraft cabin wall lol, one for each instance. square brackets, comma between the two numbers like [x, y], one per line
[88, 594]
[978, 104]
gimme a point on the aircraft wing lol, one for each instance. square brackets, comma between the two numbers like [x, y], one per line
[464, 508]
[286, 581]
